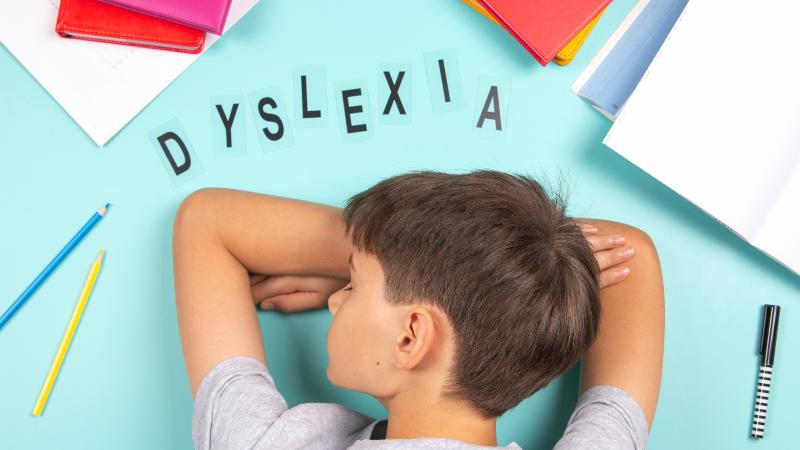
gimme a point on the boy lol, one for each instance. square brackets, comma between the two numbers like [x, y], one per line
[454, 297]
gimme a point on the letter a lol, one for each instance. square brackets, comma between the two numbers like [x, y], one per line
[495, 115]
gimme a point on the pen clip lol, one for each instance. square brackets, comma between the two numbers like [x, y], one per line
[764, 331]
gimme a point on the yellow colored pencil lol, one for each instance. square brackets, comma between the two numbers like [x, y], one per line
[73, 323]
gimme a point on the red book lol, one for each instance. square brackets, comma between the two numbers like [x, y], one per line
[95, 21]
[544, 27]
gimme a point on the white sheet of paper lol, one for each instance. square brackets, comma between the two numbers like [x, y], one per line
[776, 236]
[102, 86]
[716, 118]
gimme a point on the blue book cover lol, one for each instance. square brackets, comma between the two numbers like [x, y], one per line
[615, 72]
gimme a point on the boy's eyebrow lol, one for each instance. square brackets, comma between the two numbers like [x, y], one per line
[352, 266]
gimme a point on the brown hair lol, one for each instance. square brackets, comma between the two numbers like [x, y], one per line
[513, 274]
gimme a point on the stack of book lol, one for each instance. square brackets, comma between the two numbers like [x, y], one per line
[104, 86]
[175, 25]
[550, 30]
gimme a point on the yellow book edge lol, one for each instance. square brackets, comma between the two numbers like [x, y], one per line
[569, 51]
[477, 7]
[566, 54]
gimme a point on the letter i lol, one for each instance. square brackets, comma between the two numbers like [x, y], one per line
[444, 81]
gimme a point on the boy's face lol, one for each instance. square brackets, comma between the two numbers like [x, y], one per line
[361, 339]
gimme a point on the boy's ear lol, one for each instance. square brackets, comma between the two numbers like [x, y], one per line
[415, 340]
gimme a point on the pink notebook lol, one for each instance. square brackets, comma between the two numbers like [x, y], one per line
[206, 15]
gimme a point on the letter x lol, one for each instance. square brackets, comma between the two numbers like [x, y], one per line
[393, 96]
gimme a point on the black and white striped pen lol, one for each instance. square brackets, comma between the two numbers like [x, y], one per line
[769, 333]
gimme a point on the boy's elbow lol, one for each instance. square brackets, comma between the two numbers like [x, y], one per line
[645, 250]
[193, 213]
[641, 242]
[645, 258]
[645, 265]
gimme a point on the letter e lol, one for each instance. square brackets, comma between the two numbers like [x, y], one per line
[352, 110]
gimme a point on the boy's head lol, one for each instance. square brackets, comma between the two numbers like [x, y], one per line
[510, 273]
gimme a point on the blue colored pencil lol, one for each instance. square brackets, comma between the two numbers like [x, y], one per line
[53, 264]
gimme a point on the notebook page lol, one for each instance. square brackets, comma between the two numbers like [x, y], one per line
[713, 119]
[777, 236]
[102, 86]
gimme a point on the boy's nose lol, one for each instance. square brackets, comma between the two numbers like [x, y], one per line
[335, 301]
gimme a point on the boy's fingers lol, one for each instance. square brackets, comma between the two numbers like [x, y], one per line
[606, 241]
[587, 229]
[272, 286]
[613, 276]
[294, 293]
[298, 301]
[256, 277]
[610, 258]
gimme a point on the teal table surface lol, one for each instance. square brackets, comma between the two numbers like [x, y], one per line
[123, 384]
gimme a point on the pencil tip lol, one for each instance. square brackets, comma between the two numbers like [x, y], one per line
[99, 257]
[107, 205]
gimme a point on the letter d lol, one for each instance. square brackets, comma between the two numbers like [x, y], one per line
[163, 141]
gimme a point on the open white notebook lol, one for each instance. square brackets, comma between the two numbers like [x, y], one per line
[717, 119]
[102, 86]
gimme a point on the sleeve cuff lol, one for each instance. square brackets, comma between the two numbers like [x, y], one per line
[606, 417]
[219, 388]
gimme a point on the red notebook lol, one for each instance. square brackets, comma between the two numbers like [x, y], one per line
[544, 27]
[95, 21]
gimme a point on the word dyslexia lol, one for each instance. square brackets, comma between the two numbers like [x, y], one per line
[310, 99]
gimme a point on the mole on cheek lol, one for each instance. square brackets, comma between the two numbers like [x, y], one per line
[378, 363]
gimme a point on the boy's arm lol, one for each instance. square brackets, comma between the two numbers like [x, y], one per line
[629, 349]
[219, 237]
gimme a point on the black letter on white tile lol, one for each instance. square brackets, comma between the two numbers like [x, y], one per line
[393, 95]
[228, 122]
[444, 81]
[306, 113]
[163, 141]
[485, 114]
[270, 118]
[351, 110]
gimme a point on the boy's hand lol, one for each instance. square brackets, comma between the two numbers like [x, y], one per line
[610, 252]
[290, 293]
